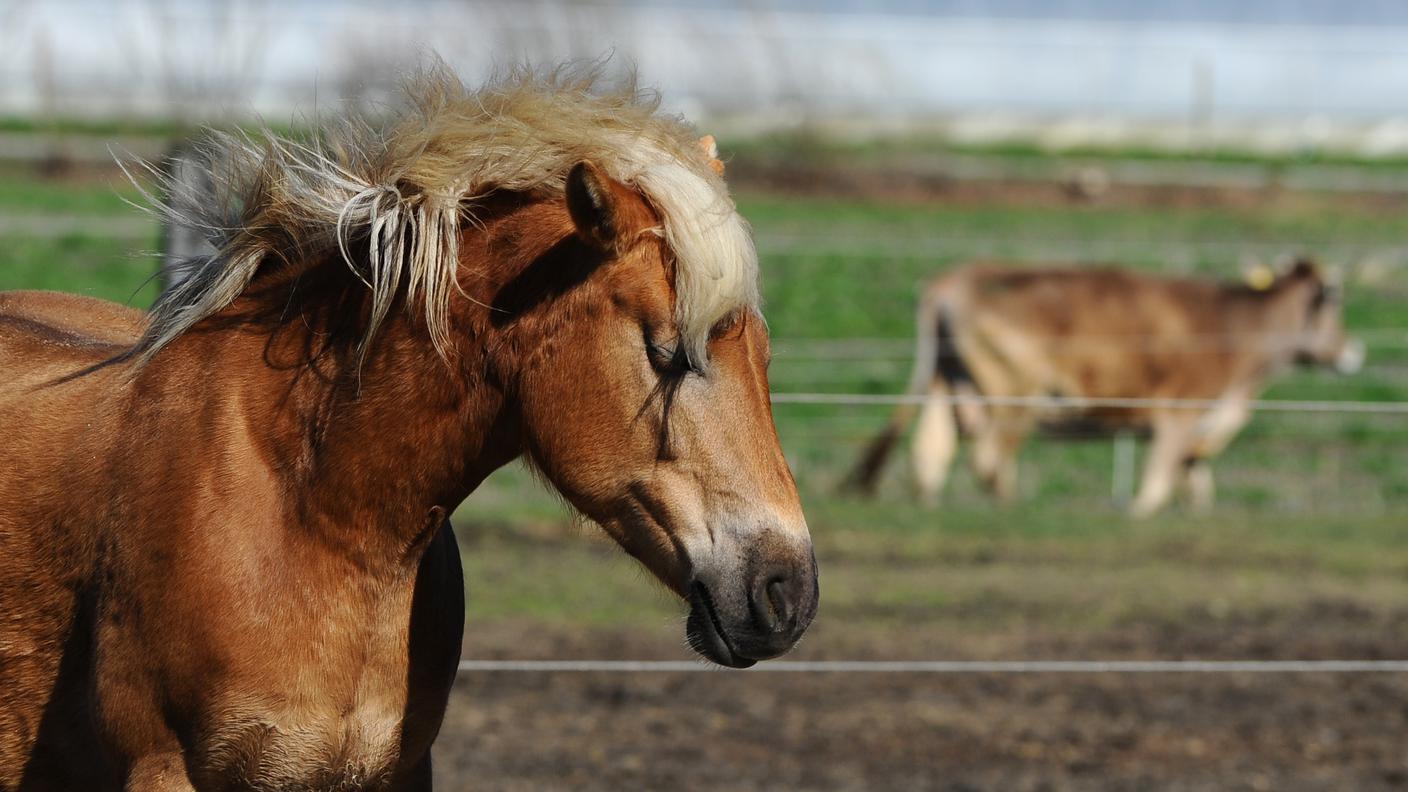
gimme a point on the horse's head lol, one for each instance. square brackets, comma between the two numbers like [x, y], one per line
[611, 327]
[661, 433]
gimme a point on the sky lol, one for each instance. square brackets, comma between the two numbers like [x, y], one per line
[1317, 12]
[1171, 59]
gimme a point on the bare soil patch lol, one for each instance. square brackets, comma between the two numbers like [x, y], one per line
[745, 731]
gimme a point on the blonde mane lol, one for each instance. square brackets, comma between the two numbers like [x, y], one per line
[390, 198]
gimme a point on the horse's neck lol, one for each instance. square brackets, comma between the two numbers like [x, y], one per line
[370, 449]
[369, 455]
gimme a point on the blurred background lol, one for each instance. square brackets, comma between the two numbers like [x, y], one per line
[874, 145]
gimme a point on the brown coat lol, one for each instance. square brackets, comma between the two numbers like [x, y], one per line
[80, 582]
[224, 560]
[229, 567]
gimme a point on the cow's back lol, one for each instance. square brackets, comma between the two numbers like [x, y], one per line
[1087, 331]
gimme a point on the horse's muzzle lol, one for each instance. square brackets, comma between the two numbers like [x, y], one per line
[739, 622]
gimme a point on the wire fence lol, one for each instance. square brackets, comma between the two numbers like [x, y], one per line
[897, 348]
[909, 245]
[1087, 403]
[945, 667]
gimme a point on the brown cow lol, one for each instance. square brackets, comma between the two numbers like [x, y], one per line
[993, 330]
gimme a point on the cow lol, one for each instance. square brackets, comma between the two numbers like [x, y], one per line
[994, 340]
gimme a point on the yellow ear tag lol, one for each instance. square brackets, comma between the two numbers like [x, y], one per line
[1260, 277]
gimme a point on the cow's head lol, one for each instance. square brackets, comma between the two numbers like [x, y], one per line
[1321, 339]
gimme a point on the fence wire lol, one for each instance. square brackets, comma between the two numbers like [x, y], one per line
[945, 667]
[903, 348]
[1078, 402]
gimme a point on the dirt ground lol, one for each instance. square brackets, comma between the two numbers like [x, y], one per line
[742, 731]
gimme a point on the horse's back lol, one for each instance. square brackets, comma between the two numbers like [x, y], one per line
[53, 419]
[48, 335]
[56, 423]
[66, 322]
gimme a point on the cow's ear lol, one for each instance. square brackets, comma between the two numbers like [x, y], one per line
[591, 201]
[1304, 268]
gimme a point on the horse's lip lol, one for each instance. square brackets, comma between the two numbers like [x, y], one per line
[706, 634]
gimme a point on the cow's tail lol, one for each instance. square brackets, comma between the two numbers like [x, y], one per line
[932, 343]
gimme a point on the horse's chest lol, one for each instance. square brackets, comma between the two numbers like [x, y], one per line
[325, 709]
[311, 747]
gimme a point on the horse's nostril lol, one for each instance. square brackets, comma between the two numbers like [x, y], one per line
[777, 602]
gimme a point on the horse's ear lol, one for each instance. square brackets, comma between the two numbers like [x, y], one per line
[710, 147]
[591, 202]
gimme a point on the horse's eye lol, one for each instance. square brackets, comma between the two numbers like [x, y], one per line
[666, 357]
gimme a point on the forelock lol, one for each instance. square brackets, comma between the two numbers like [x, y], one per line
[716, 264]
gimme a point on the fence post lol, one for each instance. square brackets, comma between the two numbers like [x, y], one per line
[1122, 472]
[183, 245]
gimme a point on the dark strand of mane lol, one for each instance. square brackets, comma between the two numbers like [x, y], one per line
[327, 299]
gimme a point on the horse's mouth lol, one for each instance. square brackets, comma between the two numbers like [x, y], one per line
[706, 634]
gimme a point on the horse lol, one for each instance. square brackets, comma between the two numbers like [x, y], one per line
[225, 561]
[1006, 331]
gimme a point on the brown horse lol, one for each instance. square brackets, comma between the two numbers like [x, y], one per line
[224, 559]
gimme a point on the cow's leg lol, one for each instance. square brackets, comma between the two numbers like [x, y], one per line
[970, 412]
[1214, 431]
[1221, 424]
[1199, 480]
[995, 452]
[935, 442]
[1164, 467]
[987, 457]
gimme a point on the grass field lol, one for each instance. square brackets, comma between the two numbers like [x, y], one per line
[821, 147]
[837, 270]
[1325, 486]
[1305, 557]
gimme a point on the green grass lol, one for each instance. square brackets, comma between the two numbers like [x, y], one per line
[807, 147]
[105, 195]
[116, 127]
[831, 217]
[860, 265]
[1310, 506]
[110, 269]
[94, 127]
[829, 272]
[966, 572]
